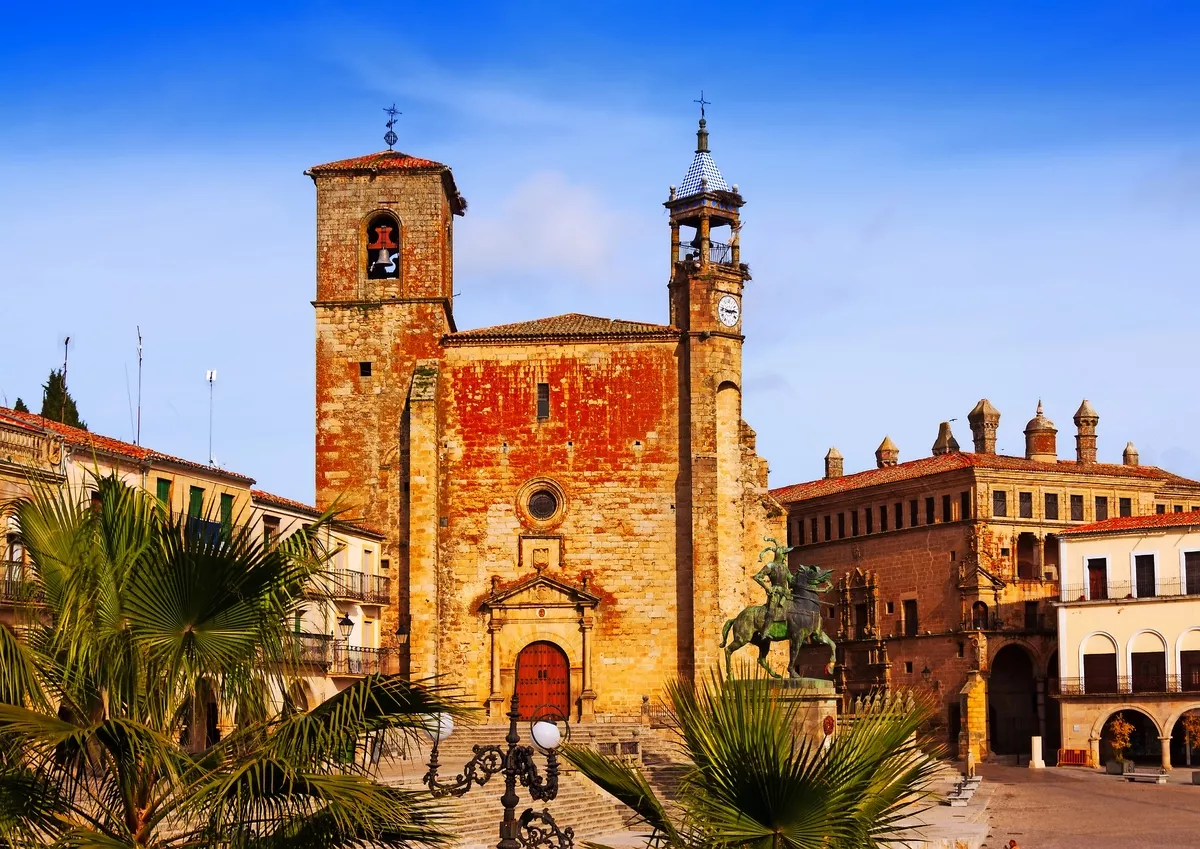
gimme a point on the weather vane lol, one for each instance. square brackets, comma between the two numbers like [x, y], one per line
[390, 135]
[702, 103]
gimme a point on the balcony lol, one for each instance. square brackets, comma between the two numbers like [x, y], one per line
[356, 660]
[718, 252]
[1124, 590]
[1126, 685]
[17, 588]
[315, 648]
[350, 585]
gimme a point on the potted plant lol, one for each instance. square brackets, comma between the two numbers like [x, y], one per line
[1120, 733]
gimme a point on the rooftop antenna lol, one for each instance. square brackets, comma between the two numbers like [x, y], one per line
[138, 435]
[62, 413]
[211, 377]
[390, 136]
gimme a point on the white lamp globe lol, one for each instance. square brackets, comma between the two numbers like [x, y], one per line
[438, 727]
[546, 735]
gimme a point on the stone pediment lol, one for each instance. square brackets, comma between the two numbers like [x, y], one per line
[976, 576]
[539, 591]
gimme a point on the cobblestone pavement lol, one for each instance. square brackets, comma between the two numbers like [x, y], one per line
[1083, 809]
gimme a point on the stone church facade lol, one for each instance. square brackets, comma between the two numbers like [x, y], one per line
[571, 504]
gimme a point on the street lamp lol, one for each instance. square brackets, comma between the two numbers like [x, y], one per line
[925, 673]
[516, 764]
[345, 626]
[402, 631]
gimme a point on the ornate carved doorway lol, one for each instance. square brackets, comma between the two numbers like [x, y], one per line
[543, 681]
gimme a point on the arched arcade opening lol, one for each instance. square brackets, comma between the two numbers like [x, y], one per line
[1012, 702]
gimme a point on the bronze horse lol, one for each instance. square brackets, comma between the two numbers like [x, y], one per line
[800, 624]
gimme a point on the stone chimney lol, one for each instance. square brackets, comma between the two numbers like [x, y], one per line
[984, 420]
[1085, 433]
[1041, 438]
[945, 442]
[887, 454]
[833, 463]
[1130, 457]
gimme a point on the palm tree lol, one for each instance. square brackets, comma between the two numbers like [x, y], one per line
[99, 693]
[750, 782]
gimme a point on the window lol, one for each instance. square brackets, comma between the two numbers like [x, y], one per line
[368, 561]
[1031, 615]
[383, 248]
[195, 501]
[1076, 508]
[1052, 506]
[929, 511]
[910, 617]
[368, 633]
[163, 491]
[891, 607]
[999, 503]
[1178, 508]
[1025, 505]
[1160, 508]
[854, 523]
[869, 515]
[364, 369]
[543, 504]
[908, 667]
[800, 532]
[962, 650]
[270, 531]
[1097, 570]
[964, 505]
[812, 526]
[791, 535]
[828, 528]
[883, 518]
[860, 621]
[914, 517]
[946, 517]
[841, 525]
[1143, 575]
[226, 510]
[1191, 572]
[543, 400]
[899, 515]
[384, 564]
[1125, 507]
[1101, 507]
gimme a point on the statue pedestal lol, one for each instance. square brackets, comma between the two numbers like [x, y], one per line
[814, 703]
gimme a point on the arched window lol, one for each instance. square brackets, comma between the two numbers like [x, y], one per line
[979, 616]
[383, 247]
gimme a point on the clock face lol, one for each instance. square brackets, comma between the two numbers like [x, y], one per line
[728, 311]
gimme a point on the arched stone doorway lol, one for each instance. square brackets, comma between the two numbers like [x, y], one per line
[1012, 702]
[1144, 745]
[543, 681]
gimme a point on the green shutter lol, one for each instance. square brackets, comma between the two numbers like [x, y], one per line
[226, 510]
[164, 491]
[196, 501]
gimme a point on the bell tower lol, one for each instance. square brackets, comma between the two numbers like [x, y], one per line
[707, 279]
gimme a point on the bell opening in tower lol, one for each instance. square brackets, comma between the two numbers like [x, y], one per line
[383, 247]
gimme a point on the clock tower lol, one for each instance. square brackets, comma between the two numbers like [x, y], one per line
[707, 279]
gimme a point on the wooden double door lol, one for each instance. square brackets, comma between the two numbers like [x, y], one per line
[543, 682]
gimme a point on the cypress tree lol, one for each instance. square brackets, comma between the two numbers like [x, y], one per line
[20, 406]
[57, 403]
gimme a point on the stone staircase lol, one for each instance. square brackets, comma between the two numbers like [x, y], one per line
[475, 817]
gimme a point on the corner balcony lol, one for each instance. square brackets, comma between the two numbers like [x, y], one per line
[349, 585]
[354, 661]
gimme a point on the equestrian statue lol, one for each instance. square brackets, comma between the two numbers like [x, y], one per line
[792, 612]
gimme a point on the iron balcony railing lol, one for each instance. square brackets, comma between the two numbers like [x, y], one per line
[315, 648]
[1126, 685]
[1019, 621]
[356, 660]
[1120, 590]
[718, 252]
[17, 588]
[357, 586]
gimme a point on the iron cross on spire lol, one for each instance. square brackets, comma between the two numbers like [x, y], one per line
[390, 136]
[702, 102]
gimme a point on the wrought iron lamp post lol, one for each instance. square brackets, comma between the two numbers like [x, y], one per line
[532, 828]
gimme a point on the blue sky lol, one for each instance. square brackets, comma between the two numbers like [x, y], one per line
[945, 201]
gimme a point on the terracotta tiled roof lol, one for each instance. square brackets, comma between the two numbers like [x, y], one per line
[1137, 523]
[384, 160]
[78, 438]
[270, 499]
[563, 327]
[964, 460]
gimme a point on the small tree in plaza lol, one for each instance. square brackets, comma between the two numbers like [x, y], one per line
[1120, 735]
[1191, 733]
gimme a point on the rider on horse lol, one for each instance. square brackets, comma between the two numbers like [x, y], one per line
[776, 579]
